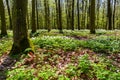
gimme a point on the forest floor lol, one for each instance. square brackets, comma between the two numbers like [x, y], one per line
[74, 55]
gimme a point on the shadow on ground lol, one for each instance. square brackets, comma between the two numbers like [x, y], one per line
[6, 63]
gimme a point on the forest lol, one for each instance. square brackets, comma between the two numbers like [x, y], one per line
[59, 39]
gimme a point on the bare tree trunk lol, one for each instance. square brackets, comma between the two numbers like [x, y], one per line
[60, 16]
[33, 17]
[92, 17]
[98, 6]
[37, 16]
[20, 31]
[3, 22]
[10, 19]
[72, 21]
[66, 1]
[47, 14]
[78, 12]
[114, 14]
[109, 15]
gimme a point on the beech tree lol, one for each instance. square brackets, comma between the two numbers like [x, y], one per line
[9, 13]
[47, 15]
[33, 20]
[59, 15]
[72, 21]
[109, 15]
[92, 17]
[3, 21]
[78, 12]
[20, 32]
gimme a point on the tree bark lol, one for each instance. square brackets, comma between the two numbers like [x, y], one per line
[114, 14]
[3, 22]
[78, 13]
[92, 17]
[72, 21]
[10, 19]
[47, 13]
[109, 15]
[37, 16]
[60, 17]
[20, 32]
[33, 20]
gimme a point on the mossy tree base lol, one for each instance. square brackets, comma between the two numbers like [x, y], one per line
[21, 46]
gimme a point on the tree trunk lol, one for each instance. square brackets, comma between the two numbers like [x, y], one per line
[20, 31]
[97, 16]
[83, 14]
[47, 13]
[114, 14]
[109, 15]
[3, 22]
[92, 17]
[72, 21]
[33, 17]
[37, 20]
[59, 17]
[8, 7]
[48, 16]
[78, 13]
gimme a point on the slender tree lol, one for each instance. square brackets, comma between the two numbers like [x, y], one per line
[92, 17]
[3, 22]
[98, 13]
[72, 23]
[78, 12]
[109, 15]
[69, 13]
[47, 15]
[9, 13]
[37, 16]
[114, 11]
[20, 31]
[33, 20]
[56, 5]
[60, 17]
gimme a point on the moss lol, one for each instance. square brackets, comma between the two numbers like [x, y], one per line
[26, 43]
[15, 49]
[23, 44]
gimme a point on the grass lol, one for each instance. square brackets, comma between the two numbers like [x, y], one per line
[65, 57]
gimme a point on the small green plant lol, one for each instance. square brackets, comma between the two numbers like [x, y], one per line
[5, 44]
[46, 73]
[21, 74]
[103, 44]
[84, 64]
[62, 77]
[71, 70]
[56, 42]
[83, 67]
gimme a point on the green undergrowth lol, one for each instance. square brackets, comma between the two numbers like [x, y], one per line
[103, 44]
[85, 69]
[53, 52]
[56, 42]
[5, 45]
